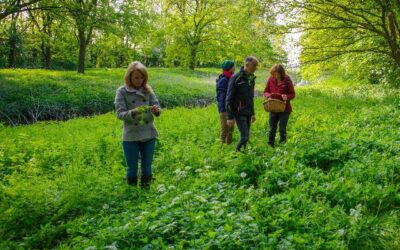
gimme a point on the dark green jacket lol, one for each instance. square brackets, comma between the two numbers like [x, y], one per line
[240, 96]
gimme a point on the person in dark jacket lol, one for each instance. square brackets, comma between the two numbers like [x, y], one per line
[240, 100]
[228, 68]
[279, 86]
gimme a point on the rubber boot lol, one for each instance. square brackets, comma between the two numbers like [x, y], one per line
[132, 181]
[145, 182]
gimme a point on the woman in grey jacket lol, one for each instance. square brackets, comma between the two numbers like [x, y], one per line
[135, 104]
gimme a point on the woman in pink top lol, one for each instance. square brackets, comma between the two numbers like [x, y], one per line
[279, 86]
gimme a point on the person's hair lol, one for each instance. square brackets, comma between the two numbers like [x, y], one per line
[250, 59]
[278, 68]
[137, 66]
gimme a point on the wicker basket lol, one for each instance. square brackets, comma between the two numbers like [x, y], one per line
[274, 105]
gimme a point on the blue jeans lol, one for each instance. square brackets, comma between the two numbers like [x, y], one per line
[243, 123]
[131, 152]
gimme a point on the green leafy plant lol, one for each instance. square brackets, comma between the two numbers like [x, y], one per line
[333, 185]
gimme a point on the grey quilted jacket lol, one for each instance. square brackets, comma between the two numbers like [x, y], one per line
[139, 127]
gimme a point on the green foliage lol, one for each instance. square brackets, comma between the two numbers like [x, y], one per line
[334, 185]
[31, 95]
[358, 37]
[207, 32]
[114, 33]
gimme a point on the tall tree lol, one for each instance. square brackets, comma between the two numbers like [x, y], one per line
[138, 24]
[206, 32]
[193, 22]
[248, 31]
[14, 41]
[110, 33]
[44, 21]
[87, 16]
[333, 28]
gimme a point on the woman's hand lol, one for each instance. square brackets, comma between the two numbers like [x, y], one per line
[284, 97]
[155, 109]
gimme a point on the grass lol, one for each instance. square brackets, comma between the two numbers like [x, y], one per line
[32, 95]
[334, 185]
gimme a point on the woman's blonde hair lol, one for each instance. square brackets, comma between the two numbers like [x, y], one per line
[137, 66]
[278, 68]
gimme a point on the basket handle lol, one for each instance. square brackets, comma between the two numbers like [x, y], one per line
[267, 98]
[281, 96]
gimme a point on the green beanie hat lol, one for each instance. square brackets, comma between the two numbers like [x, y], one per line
[227, 64]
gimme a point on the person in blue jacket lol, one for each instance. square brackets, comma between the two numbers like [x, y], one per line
[228, 69]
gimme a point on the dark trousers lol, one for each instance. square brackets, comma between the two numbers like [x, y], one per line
[131, 152]
[274, 119]
[243, 123]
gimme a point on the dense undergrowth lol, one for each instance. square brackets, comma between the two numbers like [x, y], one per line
[28, 96]
[334, 185]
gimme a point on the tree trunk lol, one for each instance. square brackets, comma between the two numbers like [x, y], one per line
[192, 56]
[393, 35]
[11, 54]
[82, 51]
[47, 45]
[47, 56]
[46, 53]
[12, 45]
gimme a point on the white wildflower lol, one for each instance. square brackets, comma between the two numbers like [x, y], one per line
[174, 201]
[161, 188]
[201, 199]
[247, 218]
[355, 213]
[283, 183]
[113, 246]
